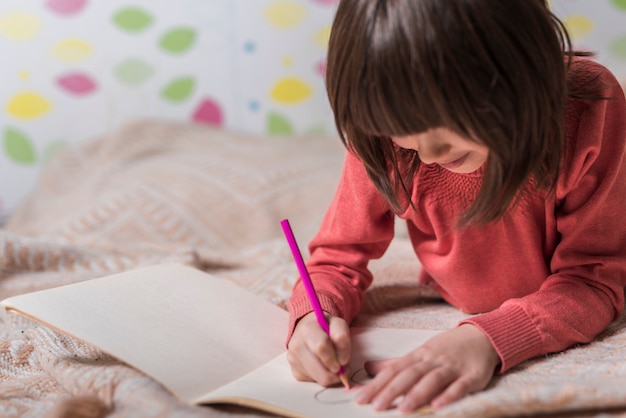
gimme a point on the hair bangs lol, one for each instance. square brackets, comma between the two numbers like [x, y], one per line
[384, 85]
[391, 99]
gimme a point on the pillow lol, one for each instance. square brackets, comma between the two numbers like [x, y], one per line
[179, 185]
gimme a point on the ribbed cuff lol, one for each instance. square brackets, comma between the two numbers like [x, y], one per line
[512, 333]
[299, 306]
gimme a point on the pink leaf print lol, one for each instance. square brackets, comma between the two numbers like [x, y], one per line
[321, 68]
[326, 2]
[77, 83]
[209, 112]
[66, 7]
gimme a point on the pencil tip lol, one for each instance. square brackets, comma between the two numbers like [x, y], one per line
[344, 380]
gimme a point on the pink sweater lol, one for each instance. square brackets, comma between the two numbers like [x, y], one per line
[548, 275]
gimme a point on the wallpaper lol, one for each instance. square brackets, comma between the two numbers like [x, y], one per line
[73, 70]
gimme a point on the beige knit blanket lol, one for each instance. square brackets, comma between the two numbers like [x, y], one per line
[156, 192]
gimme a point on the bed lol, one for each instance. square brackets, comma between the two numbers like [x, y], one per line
[157, 191]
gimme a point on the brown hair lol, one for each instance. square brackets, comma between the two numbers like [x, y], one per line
[492, 71]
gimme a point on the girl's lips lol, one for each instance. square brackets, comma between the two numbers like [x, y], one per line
[456, 163]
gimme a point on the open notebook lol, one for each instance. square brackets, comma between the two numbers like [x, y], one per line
[205, 339]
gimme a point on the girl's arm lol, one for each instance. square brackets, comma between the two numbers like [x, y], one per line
[358, 227]
[585, 291]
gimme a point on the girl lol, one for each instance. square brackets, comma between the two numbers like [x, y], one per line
[504, 153]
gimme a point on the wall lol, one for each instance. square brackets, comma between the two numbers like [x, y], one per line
[599, 26]
[75, 69]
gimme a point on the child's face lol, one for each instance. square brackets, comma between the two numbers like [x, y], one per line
[446, 148]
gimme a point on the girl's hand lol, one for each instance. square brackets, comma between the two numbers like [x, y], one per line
[316, 356]
[446, 368]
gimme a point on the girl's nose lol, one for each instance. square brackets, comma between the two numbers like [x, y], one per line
[431, 152]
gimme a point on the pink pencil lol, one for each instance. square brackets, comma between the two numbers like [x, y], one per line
[310, 290]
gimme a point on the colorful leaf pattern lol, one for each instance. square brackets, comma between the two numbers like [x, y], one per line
[178, 40]
[179, 89]
[132, 19]
[18, 147]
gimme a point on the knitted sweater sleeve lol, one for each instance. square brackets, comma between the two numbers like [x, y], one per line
[358, 227]
[585, 290]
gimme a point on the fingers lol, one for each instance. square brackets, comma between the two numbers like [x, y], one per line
[432, 384]
[340, 336]
[307, 367]
[378, 390]
[415, 383]
[454, 392]
[315, 355]
[443, 370]
[395, 378]
[373, 367]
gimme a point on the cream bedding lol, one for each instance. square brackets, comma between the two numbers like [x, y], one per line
[156, 192]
